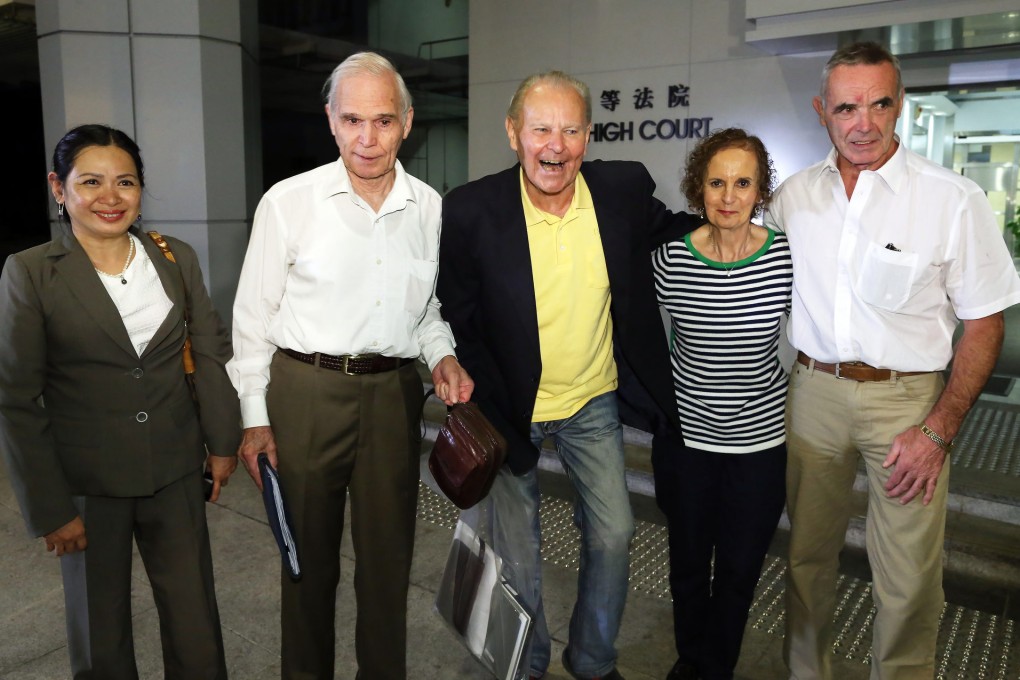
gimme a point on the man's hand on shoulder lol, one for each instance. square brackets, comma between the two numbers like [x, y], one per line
[452, 383]
[917, 463]
[257, 440]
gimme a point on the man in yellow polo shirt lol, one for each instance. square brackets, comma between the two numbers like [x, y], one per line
[572, 299]
[545, 278]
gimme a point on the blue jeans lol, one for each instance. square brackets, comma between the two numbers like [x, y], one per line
[590, 445]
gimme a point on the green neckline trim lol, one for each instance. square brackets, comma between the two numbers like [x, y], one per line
[728, 266]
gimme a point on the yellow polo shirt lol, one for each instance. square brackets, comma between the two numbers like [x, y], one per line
[575, 329]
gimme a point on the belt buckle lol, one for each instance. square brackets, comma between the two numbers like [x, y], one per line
[347, 358]
[850, 365]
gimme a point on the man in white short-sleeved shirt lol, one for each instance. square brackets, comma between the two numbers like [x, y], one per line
[889, 251]
[335, 303]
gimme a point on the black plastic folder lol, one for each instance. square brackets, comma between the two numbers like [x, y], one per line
[279, 518]
[508, 632]
[481, 608]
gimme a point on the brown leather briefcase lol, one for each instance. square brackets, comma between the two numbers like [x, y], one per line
[467, 455]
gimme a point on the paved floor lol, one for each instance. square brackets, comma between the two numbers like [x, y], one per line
[32, 646]
[975, 643]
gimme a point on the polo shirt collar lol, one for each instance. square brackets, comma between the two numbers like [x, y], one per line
[580, 201]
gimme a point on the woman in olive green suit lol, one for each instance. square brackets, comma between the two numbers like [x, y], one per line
[97, 425]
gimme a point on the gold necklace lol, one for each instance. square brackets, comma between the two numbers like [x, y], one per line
[715, 244]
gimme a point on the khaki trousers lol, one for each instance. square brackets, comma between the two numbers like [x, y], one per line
[831, 425]
[338, 434]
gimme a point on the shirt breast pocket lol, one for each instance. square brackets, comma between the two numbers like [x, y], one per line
[887, 278]
[421, 280]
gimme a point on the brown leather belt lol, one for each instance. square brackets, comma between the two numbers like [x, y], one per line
[855, 370]
[351, 364]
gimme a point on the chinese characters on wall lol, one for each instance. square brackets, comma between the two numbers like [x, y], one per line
[644, 99]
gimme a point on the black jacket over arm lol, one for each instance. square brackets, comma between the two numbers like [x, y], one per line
[487, 293]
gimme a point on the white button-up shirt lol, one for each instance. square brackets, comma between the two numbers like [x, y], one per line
[326, 273]
[883, 277]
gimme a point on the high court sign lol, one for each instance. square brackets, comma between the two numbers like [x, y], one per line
[643, 99]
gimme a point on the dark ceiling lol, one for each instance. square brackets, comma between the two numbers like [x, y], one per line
[300, 42]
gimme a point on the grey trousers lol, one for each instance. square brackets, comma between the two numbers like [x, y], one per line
[173, 540]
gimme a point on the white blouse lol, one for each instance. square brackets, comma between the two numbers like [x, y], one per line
[142, 302]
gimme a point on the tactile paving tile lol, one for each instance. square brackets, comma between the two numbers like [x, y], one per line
[973, 645]
[990, 439]
[435, 509]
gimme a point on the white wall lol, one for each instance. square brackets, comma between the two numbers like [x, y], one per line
[652, 43]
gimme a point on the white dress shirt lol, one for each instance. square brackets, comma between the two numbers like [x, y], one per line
[326, 273]
[883, 277]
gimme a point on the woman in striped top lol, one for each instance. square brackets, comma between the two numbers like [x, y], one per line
[726, 287]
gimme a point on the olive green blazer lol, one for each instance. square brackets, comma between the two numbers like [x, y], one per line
[80, 412]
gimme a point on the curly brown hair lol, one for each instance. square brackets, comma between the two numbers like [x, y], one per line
[693, 183]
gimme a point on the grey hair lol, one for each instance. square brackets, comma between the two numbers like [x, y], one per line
[365, 63]
[867, 53]
[554, 78]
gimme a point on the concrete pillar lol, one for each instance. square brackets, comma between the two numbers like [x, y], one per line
[181, 78]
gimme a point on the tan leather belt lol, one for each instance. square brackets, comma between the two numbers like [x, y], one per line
[855, 370]
[351, 364]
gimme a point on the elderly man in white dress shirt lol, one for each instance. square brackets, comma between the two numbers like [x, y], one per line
[889, 251]
[335, 302]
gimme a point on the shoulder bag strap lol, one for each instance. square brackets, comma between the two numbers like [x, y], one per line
[189, 361]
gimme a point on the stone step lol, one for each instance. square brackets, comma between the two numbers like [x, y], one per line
[982, 546]
[972, 491]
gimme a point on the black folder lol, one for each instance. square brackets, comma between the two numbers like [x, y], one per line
[279, 518]
[475, 600]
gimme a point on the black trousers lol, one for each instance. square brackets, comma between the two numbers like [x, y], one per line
[722, 510]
